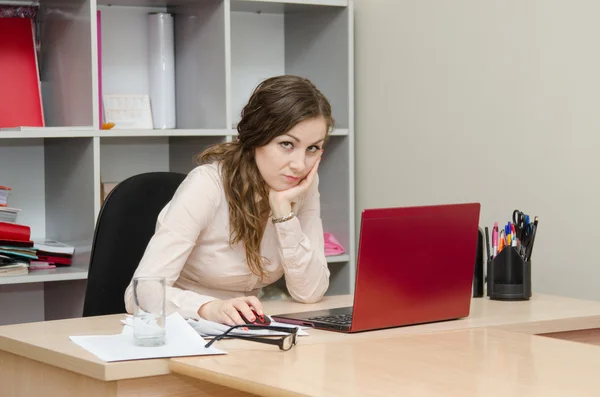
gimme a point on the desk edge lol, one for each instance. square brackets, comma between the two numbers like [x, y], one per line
[230, 381]
[78, 365]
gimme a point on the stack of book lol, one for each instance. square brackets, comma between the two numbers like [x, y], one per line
[6, 214]
[53, 253]
[19, 254]
[16, 249]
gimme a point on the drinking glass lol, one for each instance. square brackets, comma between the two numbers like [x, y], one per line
[149, 311]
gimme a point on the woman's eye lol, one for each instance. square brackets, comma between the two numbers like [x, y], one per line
[313, 149]
[287, 145]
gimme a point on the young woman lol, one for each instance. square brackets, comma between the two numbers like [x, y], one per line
[249, 214]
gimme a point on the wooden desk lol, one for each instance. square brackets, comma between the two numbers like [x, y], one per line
[472, 362]
[39, 359]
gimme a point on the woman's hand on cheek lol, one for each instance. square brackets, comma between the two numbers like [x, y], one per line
[281, 202]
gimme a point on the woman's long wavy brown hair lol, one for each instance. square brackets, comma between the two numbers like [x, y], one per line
[276, 106]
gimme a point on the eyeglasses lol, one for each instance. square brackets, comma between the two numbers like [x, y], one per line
[285, 343]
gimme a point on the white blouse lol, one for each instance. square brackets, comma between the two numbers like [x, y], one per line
[190, 248]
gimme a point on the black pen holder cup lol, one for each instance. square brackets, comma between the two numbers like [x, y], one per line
[508, 276]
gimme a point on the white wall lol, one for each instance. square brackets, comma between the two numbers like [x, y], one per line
[496, 102]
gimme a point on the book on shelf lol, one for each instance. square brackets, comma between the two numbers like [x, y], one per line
[8, 214]
[4, 192]
[53, 252]
[128, 111]
[99, 50]
[21, 99]
[25, 254]
[15, 243]
[14, 231]
[39, 265]
[13, 269]
[53, 247]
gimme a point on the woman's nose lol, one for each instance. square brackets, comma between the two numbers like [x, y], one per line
[297, 164]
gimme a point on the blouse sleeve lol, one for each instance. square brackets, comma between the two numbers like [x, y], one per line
[178, 226]
[302, 250]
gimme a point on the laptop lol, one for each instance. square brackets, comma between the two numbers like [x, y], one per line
[415, 265]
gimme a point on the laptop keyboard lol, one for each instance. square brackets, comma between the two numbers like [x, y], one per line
[342, 319]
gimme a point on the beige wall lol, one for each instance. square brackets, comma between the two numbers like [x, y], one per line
[496, 102]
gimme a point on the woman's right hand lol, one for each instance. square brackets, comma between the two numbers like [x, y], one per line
[226, 311]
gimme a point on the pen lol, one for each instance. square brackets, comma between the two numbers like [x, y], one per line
[507, 233]
[487, 243]
[495, 239]
[529, 249]
[513, 234]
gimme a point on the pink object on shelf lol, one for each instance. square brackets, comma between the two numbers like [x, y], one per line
[99, 42]
[332, 245]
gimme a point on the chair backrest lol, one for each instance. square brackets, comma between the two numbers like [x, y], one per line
[126, 222]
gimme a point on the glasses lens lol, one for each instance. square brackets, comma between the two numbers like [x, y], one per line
[288, 342]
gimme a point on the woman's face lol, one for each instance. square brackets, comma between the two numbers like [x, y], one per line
[288, 158]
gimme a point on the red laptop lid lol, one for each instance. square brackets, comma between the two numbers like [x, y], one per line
[415, 265]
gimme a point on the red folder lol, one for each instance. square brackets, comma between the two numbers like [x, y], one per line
[14, 231]
[20, 95]
[55, 260]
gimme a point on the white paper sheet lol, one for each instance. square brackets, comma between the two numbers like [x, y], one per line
[182, 340]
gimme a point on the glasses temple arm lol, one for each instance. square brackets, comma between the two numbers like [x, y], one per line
[250, 338]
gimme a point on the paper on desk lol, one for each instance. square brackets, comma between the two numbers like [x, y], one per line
[210, 328]
[182, 340]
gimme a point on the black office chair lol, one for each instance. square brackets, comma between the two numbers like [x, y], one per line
[126, 223]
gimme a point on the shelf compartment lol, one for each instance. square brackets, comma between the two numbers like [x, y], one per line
[334, 188]
[52, 182]
[123, 157]
[200, 77]
[274, 38]
[66, 63]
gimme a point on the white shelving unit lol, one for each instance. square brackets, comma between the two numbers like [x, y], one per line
[224, 48]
